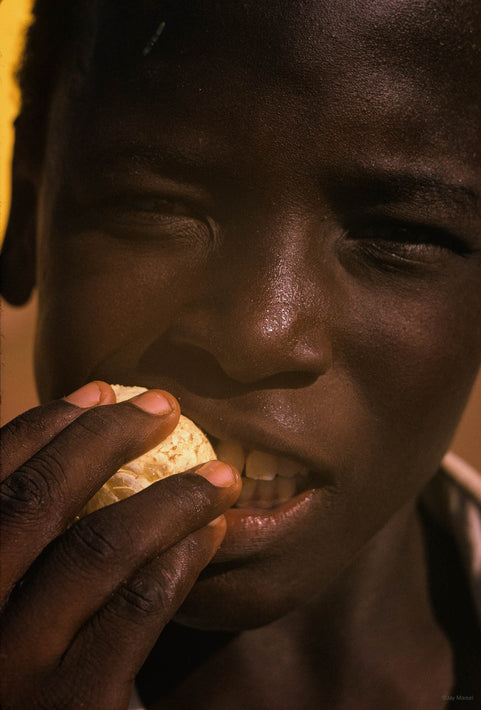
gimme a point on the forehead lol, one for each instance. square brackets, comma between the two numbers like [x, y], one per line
[301, 40]
[295, 26]
[330, 50]
[328, 82]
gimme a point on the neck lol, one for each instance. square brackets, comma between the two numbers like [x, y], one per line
[371, 635]
[378, 633]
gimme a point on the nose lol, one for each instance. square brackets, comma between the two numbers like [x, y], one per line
[261, 319]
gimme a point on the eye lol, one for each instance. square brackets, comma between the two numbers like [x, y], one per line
[153, 218]
[398, 243]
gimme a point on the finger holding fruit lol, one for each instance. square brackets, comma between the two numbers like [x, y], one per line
[90, 597]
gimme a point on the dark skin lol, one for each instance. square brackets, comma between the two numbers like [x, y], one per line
[282, 229]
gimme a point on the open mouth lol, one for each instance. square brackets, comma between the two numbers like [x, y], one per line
[268, 480]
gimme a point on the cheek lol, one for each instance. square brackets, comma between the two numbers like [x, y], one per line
[415, 354]
[102, 300]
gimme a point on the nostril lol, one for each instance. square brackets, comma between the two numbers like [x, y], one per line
[199, 372]
[278, 366]
[286, 380]
[189, 366]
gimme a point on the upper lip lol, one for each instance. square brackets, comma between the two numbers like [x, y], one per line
[247, 422]
[262, 437]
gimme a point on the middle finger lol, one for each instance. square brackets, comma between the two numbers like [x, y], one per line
[82, 569]
[42, 497]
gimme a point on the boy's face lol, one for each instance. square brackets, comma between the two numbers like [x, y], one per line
[275, 215]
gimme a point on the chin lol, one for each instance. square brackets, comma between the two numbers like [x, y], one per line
[222, 603]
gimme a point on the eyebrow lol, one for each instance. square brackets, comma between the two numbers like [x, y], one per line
[360, 188]
[371, 188]
[186, 163]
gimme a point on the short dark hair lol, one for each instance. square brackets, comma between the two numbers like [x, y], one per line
[58, 33]
[60, 43]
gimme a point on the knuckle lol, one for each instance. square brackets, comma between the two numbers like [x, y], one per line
[16, 427]
[30, 490]
[21, 491]
[31, 420]
[106, 429]
[148, 595]
[195, 496]
[39, 421]
[50, 466]
[93, 541]
[93, 424]
[103, 422]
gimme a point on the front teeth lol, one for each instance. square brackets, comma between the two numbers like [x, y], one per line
[267, 480]
[266, 494]
[258, 464]
[232, 453]
[261, 466]
[288, 468]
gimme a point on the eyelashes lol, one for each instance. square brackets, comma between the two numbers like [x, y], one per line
[405, 243]
[171, 220]
[157, 219]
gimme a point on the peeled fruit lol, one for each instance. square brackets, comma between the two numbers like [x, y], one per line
[185, 448]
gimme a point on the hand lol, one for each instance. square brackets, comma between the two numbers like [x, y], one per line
[83, 604]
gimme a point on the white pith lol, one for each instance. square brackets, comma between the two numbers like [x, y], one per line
[268, 480]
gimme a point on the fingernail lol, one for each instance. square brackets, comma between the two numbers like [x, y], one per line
[217, 522]
[86, 396]
[153, 402]
[218, 473]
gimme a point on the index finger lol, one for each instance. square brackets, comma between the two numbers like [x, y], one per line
[41, 498]
[25, 435]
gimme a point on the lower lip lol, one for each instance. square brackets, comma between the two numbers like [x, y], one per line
[253, 531]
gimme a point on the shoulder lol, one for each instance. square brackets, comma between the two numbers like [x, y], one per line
[463, 476]
[453, 500]
[450, 507]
